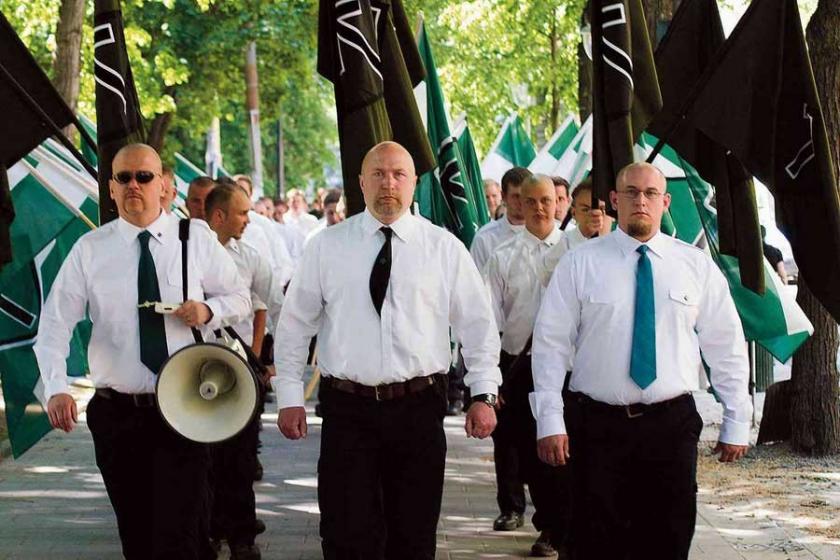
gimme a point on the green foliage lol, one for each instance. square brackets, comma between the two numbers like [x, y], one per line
[188, 59]
[485, 48]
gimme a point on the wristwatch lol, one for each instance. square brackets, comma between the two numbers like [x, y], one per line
[487, 398]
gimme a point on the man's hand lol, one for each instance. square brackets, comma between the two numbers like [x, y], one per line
[193, 313]
[481, 420]
[554, 450]
[61, 410]
[292, 422]
[730, 453]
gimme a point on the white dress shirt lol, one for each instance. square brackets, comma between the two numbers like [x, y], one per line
[266, 295]
[489, 237]
[433, 285]
[585, 325]
[571, 239]
[304, 222]
[322, 225]
[293, 240]
[515, 291]
[278, 254]
[99, 276]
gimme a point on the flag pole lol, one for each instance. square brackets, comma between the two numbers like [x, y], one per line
[46, 120]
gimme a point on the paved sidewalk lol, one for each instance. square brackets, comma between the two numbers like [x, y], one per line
[53, 506]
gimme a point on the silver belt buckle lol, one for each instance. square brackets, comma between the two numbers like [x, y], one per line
[376, 392]
[630, 414]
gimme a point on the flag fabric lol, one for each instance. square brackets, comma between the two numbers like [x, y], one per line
[473, 167]
[48, 224]
[772, 319]
[367, 50]
[87, 151]
[773, 123]
[548, 158]
[185, 171]
[694, 37]
[23, 127]
[625, 92]
[118, 118]
[452, 197]
[512, 148]
[575, 163]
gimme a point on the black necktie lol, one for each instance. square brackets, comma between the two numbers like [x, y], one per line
[153, 348]
[380, 274]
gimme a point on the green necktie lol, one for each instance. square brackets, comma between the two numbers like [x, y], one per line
[153, 349]
[643, 353]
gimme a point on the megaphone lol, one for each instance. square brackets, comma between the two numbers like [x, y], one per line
[207, 392]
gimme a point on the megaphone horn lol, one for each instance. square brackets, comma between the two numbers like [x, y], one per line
[207, 392]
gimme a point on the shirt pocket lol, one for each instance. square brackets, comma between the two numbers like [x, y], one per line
[172, 291]
[684, 303]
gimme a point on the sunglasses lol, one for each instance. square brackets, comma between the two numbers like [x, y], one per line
[142, 177]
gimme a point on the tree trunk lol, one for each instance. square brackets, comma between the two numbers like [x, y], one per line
[554, 117]
[815, 396]
[157, 131]
[656, 12]
[68, 55]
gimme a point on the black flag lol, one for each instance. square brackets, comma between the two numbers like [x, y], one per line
[366, 49]
[22, 85]
[694, 37]
[624, 87]
[759, 99]
[118, 119]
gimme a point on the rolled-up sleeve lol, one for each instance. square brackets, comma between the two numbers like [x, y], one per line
[724, 349]
[474, 326]
[552, 353]
[299, 321]
[65, 306]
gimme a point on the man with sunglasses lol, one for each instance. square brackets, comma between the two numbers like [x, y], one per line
[632, 312]
[156, 480]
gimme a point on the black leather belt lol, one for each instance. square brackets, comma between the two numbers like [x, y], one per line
[635, 410]
[384, 392]
[140, 400]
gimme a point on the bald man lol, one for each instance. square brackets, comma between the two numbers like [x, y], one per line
[629, 315]
[382, 291]
[156, 480]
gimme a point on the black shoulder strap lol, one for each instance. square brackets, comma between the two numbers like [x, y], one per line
[184, 236]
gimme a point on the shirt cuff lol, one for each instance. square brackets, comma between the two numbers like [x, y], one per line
[215, 321]
[289, 393]
[54, 387]
[551, 425]
[483, 387]
[734, 433]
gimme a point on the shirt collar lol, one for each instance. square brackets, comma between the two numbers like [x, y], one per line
[627, 244]
[233, 245]
[505, 222]
[403, 227]
[129, 232]
[532, 241]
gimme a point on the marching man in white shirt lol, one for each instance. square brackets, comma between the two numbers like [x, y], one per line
[495, 232]
[629, 314]
[233, 517]
[515, 292]
[156, 479]
[381, 290]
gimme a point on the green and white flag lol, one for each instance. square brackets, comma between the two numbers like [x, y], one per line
[773, 320]
[445, 194]
[472, 164]
[49, 221]
[185, 172]
[511, 148]
[549, 157]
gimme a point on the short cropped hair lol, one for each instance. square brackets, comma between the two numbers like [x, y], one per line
[220, 197]
[514, 177]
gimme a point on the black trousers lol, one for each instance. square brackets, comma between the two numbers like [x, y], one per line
[633, 479]
[233, 514]
[510, 486]
[380, 475]
[156, 481]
